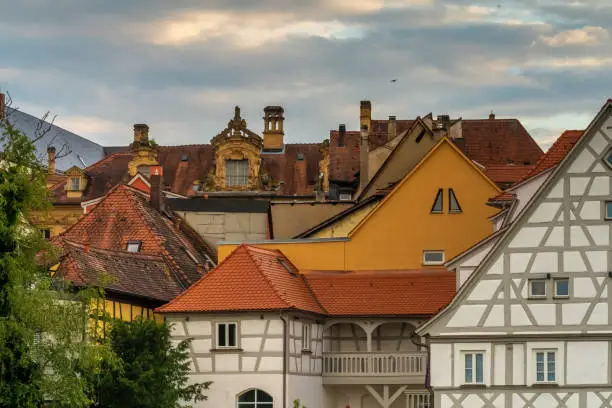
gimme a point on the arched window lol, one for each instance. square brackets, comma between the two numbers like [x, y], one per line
[254, 399]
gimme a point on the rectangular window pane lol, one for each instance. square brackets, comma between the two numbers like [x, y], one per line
[538, 287]
[562, 287]
[236, 172]
[232, 335]
[551, 366]
[468, 368]
[479, 368]
[609, 209]
[221, 335]
[539, 366]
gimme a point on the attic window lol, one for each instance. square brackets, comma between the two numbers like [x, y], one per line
[437, 206]
[285, 265]
[75, 184]
[433, 257]
[134, 246]
[236, 172]
[453, 203]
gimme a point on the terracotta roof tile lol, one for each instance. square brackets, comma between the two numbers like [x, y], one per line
[248, 279]
[123, 273]
[506, 173]
[555, 153]
[414, 292]
[126, 215]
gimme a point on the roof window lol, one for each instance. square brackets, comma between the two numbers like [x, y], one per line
[134, 246]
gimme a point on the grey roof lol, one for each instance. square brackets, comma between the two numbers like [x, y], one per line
[83, 152]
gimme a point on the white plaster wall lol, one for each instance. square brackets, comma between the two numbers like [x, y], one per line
[225, 388]
[526, 191]
[499, 365]
[308, 389]
[587, 362]
[440, 365]
[518, 364]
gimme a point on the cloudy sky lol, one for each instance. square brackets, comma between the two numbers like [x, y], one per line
[181, 66]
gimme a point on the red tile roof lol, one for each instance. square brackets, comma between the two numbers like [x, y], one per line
[555, 153]
[125, 214]
[122, 273]
[249, 279]
[503, 197]
[486, 141]
[252, 279]
[414, 292]
[506, 173]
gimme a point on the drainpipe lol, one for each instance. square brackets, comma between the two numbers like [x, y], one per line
[285, 359]
[414, 340]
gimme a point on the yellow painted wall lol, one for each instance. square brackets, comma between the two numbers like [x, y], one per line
[396, 233]
[58, 218]
[99, 326]
[343, 227]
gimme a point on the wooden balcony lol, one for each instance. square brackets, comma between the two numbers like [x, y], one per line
[374, 368]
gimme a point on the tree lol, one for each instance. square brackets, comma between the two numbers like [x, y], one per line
[154, 372]
[44, 346]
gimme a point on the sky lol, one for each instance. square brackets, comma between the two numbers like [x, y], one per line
[181, 66]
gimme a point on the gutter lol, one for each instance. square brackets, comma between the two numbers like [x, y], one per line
[285, 359]
[428, 370]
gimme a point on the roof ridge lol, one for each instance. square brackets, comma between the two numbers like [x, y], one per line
[110, 156]
[268, 280]
[126, 254]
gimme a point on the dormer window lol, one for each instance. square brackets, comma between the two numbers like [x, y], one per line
[236, 173]
[144, 170]
[75, 184]
[134, 246]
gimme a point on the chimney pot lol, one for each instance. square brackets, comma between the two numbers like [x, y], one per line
[341, 134]
[492, 116]
[365, 114]
[141, 134]
[391, 117]
[274, 131]
[156, 196]
[391, 128]
[364, 158]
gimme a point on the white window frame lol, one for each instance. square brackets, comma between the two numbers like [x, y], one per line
[345, 197]
[555, 294]
[545, 372]
[425, 262]
[530, 294]
[473, 354]
[306, 336]
[75, 186]
[227, 324]
[133, 242]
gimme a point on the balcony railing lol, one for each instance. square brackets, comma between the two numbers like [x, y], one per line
[374, 364]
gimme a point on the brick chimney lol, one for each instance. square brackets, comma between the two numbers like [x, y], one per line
[157, 181]
[2, 105]
[273, 133]
[300, 175]
[365, 114]
[391, 128]
[492, 115]
[341, 135]
[141, 134]
[364, 149]
[51, 160]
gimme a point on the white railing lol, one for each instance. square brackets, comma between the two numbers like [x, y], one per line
[374, 364]
[418, 399]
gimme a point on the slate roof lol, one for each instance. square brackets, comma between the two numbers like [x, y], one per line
[254, 279]
[125, 214]
[486, 141]
[119, 272]
[83, 152]
[249, 279]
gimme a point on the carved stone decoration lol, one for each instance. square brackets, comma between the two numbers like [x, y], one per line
[236, 142]
[324, 166]
[145, 156]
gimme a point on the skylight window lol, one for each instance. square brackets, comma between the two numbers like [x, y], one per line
[438, 204]
[453, 203]
[285, 265]
[134, 246]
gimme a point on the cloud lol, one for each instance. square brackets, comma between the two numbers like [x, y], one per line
[588, 36]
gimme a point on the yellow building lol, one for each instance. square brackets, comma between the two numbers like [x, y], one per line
[434, 213]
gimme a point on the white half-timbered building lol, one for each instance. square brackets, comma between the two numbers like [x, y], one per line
[531, 325]
[267, 334]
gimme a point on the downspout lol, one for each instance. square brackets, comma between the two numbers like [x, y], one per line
[414, 340]
[285, 359]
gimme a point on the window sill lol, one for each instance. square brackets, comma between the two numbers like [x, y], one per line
[537, 297]
[473, 386]
[545, 384]
[305, 351]
[227, 350]
[561, 297]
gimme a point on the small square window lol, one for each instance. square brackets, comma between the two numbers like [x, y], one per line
[537, 288]
[562, 288]
[134, 246]
[473, 368]
[608, 210]
[545, 366]
[227, 335]
[75, 183]
[345, 197]
[433, 257]
[46, 233]
[306, 336]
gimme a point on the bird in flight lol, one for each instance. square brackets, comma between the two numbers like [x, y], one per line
[393, 80]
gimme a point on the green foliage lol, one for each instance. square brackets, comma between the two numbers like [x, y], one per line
[153, 144]
[154, 372]
[42, 330]
[298, 404]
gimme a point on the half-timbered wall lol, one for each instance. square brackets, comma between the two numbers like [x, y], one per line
[562, 235]
[386, 336]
